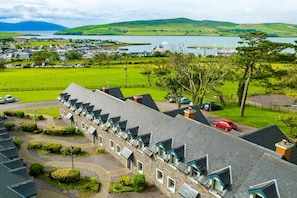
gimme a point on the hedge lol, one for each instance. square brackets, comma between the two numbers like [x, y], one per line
[9, 126]
[52, 147]
[28, 127]
[35, 145]
[66, 175]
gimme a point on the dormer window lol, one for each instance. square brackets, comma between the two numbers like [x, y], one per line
[160, 151]
[193, 171]
[267, 189]
[172, 159]
[220, 181]
[140, 144]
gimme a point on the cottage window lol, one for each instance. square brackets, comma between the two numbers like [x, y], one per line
[140, 145]
[75, 123]
[194, 172]
[111, 145]
[160, 151]
[159, 176]
[139, 167]
[118, 149]
[217, 185]
[172, 159]
[171, 184]
[100, 140]
[83, 126]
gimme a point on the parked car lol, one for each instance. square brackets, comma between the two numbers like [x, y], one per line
[9, 98]
[211, 106]
[184, 100]
[225, 124]
[2, 101]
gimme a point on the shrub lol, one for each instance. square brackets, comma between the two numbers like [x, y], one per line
[66, 175]
[20, 114]
[9, 126]
[54, 130]
[70, 130]
[36, 169]
[76, 151]
[119, 188]
[52, 147]
[138, 181]
[17, 142]
[125, 180]
[91, 184]
[40, 117]
[38, 131]
[9, 113]
[100, 150]
[35, 145]
[28, 126]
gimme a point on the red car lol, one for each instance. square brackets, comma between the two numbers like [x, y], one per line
[225, 124]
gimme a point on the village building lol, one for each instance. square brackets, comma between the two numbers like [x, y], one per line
[178, 151]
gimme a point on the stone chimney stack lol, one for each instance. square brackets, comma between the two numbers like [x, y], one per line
[138, 98]
[284, 148]
[105, 90]
[190, 113]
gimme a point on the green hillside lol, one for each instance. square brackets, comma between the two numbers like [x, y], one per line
[182, 27]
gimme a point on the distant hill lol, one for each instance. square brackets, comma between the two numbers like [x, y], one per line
[183, 27]
[30, 26]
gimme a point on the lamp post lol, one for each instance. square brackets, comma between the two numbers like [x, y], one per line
[71, 153]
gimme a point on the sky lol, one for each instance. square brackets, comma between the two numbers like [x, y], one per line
[75, 13]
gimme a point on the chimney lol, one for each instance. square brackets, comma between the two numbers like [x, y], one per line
[105, 90]
[284, 148]
[190, 113]
[138, 98]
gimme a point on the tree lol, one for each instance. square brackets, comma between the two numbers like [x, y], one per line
[291, 122]
[147, 72]
[2, 64]
[197, 76]
[73, 55]
[253, 53]
[44, 57]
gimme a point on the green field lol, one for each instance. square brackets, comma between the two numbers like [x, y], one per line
[43, 84]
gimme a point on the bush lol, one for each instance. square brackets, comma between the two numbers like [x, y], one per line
[91, 184]
[70, 130]
[52, 147]
[40, 117]
[36, 169]
[66, 175]
[20, 114]
[125, 180]
[100, 150]
[138, 181]
[119, 188]
[76, 151]
[35, 145]
[9, 126]
[54, 130]
[17, 142]
[28, 126]
[10, 113]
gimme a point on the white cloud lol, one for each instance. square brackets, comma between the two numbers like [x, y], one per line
[73, 13]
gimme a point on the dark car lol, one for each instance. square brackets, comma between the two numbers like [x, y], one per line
[211, 106]
[184, 100]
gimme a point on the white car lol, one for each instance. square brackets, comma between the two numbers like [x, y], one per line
[9, 98]
[2, 101]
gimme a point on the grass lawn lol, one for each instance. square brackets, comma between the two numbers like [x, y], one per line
[48, 83]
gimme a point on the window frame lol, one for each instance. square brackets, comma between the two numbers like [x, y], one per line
[139, 165]
[111, 144]
[100, 140]
[158, 178]
[171, 184]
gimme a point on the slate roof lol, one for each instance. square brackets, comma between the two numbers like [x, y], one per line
[267, 137]
[147, 100]
[198, 115]
[116, 92]
[14, 182]
[222, 149]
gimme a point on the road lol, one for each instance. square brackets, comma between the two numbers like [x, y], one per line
[163, 106]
